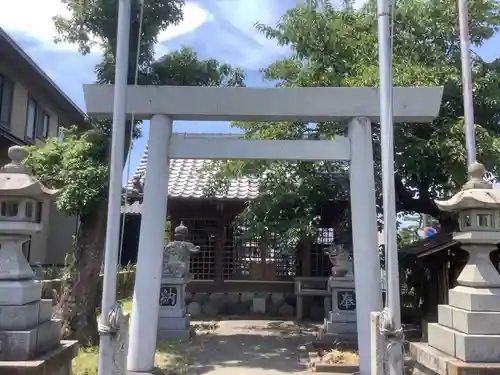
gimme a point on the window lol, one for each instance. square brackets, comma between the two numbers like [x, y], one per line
[27, 250]
[31, 119]
[28, 211]
[60, 126]
[9, 209]
[6, 93]
[42, 128]
[37, 121]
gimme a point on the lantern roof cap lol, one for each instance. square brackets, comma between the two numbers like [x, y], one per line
[16, 178]
[475, 194]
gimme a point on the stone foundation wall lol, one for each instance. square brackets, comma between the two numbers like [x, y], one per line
[241, 304]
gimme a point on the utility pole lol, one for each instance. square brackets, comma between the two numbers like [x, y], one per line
[395, 354]
[115, 185]
[470, 137]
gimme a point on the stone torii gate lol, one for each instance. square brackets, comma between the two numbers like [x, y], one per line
[165, 104]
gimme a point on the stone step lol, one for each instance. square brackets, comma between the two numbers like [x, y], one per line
[341, 338]
[49, 335]
[19, 292]
[173, 323]
[475, 299]
[18, 345]
[341, 317]
[468, 348]
[46, 310]
[470, 322]
[14, 317]
[173, 334]
[340, 327]
[23, 345]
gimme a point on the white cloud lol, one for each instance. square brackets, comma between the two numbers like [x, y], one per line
[34, 18]
[194, 17]
[243, 15]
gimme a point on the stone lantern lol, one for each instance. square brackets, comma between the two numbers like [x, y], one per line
[26, 325]
[468, 327]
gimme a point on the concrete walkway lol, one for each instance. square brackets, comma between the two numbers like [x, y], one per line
[252, 347]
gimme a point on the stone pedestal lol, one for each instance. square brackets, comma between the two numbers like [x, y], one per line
[56, 361]
[468, 328]
[173, 322]
[26, 325]
[340, 324]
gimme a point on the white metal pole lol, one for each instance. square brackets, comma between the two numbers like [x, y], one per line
[145, 306]
[364, 234]
[470, 137]
[395, 357]
[115, 184]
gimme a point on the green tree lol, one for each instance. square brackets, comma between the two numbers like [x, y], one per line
[79, 165]
[338, 47]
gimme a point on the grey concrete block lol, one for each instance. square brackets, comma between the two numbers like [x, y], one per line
[441, 338]
[343, 338]
[19, 317]
[341, 316]
[173, 323]
[477, 348]
[173, 334]
[475, 299]
[259, 305]
[172, 312]
[194, 308]
[18, 345]
[445, 315]
[340, 327]
[19, 292]
[472, 322]
[49, 335]
[46, 310]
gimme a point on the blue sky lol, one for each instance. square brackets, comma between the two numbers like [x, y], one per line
[221, 29]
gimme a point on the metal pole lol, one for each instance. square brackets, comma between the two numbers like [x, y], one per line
[115, 185]
[470, 137]
[389, 201]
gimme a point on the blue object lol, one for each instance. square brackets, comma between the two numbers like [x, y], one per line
[429, 231]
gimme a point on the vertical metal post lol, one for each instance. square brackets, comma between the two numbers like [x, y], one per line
[389, 200]
[115, 184]
[470, 137]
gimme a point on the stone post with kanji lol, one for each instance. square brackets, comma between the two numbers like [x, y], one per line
[173, 320]
[340, 324]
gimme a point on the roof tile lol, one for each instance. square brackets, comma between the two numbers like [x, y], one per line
[188, 178]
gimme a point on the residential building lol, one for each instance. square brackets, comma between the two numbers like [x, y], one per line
[32, 108]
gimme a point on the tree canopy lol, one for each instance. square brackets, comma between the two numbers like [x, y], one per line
[79, 164]
[338, 47]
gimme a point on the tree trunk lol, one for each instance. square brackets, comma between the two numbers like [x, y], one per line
[80, 292]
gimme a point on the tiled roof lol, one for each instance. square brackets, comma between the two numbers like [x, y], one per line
[188, 178]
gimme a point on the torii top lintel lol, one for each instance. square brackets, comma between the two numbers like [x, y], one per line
[308, 104]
